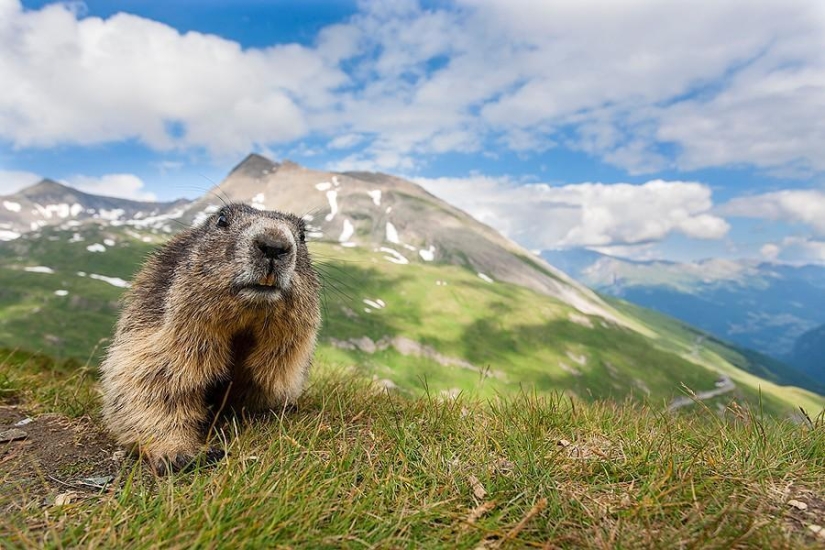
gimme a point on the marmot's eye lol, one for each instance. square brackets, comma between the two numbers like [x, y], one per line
[222, 220]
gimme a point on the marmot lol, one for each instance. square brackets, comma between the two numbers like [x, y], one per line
[225, 314]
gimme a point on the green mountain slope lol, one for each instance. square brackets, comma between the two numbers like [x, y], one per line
[416, 327]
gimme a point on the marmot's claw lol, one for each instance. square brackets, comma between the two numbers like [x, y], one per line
[213, 455]
[167, 465]
[184, 462]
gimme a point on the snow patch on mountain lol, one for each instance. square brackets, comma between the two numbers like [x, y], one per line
[111, 215]
[375, 195]
[394, 256]
[392, 234]
[347, 232]
[427, 254]
[332, 197]
[62, 210]
[375, 304]
[114, 281]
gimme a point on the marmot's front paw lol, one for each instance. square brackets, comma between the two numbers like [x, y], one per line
[181, 462]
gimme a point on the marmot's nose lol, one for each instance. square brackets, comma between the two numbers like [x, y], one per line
[273, 247]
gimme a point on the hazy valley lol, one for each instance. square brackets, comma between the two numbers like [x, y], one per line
[776, 309]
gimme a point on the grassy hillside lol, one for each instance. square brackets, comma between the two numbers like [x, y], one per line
[76, 322]
[355, 466]
[421, 328]
[751, 367]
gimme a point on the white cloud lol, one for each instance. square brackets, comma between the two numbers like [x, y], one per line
[345, 141]
[541, 216]
[86, 81]
[791, 205]
[12, 180]
[770, 251]
[717, 83]
[125, 186]
[796, 250]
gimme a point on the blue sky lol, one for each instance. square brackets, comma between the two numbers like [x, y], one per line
[679, 130]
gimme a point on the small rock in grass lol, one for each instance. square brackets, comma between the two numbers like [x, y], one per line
[12, 435]
[96, 482]
[118, 456]
[66, 498]
[478, 489]
[503, 466]
[23, 422]
[563, 443]
[817, 530]
[798, 504]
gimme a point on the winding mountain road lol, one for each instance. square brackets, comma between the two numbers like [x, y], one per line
[723, 385]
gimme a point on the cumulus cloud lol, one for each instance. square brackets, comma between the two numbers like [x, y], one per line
[13, 180]
[642, 85]
[770, 251]
[803, 206]
[89, 80]
[795, 250]
[125, 186]
[541, 216]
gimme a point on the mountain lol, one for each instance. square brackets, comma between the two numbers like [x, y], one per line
[809, 353]
[762, 306]
[396, 218]
[50, 203]
[418, 295]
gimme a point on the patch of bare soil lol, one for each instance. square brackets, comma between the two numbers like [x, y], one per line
[803, 511]
[54, 456]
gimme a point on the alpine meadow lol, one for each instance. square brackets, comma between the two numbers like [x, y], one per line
[464, 393]
[449, 274]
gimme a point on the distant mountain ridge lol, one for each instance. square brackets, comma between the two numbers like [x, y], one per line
[759, 305]
[809, 353]
[50, 203]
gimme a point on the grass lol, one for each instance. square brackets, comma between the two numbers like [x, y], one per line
[358, 467]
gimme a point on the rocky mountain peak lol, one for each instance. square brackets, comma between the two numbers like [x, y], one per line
[395, 218]
[254, 165]
[46, 188]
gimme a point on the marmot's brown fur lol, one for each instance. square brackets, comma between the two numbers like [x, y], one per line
[226, 313]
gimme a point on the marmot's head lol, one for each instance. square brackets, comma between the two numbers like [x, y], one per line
[256, 255]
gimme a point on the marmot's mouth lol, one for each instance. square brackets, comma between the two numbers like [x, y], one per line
[264, 288]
